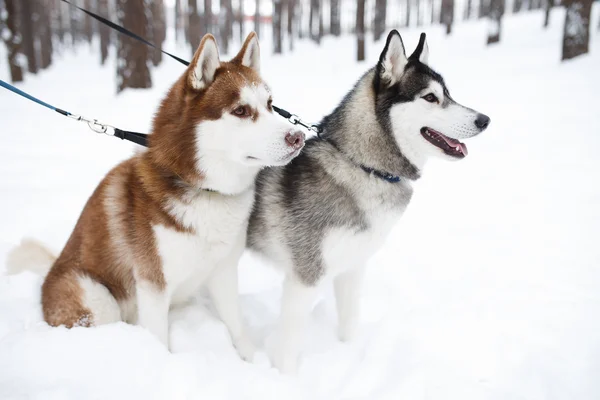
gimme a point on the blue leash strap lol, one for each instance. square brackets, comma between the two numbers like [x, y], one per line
[93, 124]
[30, 97]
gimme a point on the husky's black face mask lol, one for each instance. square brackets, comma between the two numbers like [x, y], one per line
[413, 101]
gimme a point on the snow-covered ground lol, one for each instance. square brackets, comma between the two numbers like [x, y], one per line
[488, 288]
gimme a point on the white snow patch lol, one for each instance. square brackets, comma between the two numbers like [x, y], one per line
[488, 288]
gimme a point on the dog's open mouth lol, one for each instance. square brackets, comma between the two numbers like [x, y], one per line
[450, 146]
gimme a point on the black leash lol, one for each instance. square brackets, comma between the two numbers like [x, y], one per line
[93, 124]
[135, 137]
[294, 119]
[124, 31]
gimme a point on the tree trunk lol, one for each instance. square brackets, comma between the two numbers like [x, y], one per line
[45, 33]
[321, 31]
[257, 18]
[176, 16]
[291, 11]
[26, 29]
[73, 25]
[433, 14]
[59, 20]
[208, 17]
[184, 21]
[517, 5]
[468, 9]
[548, 6]
[104, 31]
[230, 19]
[576, 36]
[335, 26]
[277, 32]
[12, 39]
[88, 29]
[159, 29]
[3, 16]
[223, 26]
[360, 30]
[316, 21]
[132, 63]
[495, 21]
[242, 21]
[300, 25]
[419, 14]
[312, 18]
[447, 17]
[194, 31]
[483, 8]
[407, 19]
[379, 20]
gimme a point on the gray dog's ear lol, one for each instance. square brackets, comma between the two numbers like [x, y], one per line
[392, 59]
[421, 53]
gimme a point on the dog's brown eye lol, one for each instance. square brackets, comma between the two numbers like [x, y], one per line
[431, 98]
[241, 111]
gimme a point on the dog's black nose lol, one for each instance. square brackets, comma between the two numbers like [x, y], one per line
[482, 121]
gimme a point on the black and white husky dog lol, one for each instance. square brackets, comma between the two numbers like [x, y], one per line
[323, 215]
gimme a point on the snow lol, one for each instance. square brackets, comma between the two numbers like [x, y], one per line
[488, 288]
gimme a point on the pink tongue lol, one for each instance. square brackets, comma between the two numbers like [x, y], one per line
[454, 143]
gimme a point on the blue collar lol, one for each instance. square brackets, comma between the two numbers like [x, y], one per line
[381, 175]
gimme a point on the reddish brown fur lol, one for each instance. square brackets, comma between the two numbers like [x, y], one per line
[137, 191]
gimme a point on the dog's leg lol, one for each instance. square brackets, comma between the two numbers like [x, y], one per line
[153, 310]
[223, 288]
[347, 296]
[296, 306]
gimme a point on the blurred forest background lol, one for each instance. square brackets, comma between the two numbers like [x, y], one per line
[35, 31]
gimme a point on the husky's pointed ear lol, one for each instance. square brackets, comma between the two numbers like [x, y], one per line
[249, 55]
[421, 53]
[392, 59]
[201, 71]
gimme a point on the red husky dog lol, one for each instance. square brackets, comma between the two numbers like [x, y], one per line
[173, 217]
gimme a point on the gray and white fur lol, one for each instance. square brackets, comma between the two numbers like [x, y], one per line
[323, 215]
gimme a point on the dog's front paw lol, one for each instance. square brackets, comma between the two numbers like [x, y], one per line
[245, 348]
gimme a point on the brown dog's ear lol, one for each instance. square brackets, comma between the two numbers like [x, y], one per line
[249, 55]
[201, 71]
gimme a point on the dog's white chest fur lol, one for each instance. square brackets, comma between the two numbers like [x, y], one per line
[345, 249]
[219, 226]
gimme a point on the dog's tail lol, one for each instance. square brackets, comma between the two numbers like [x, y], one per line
[30, 255]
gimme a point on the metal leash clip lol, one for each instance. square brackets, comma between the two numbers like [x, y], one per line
[101, 128]
[94, 125]
[294, 119]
